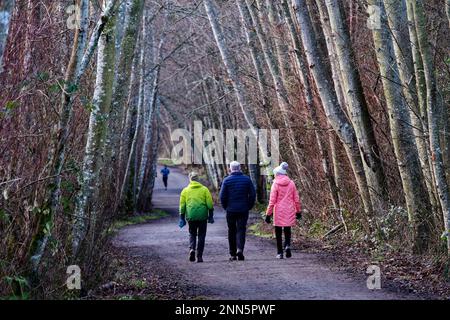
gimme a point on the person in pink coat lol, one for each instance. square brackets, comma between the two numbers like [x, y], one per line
[285, 207]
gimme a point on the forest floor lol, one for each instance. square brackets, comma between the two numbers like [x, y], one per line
[152, 263]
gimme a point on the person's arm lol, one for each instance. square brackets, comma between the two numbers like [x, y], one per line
[252, 195]
[209, 205]
[223, 195]
[209, 200]
[183, 203]
[297, 201]
[272, 199]
[182, 209]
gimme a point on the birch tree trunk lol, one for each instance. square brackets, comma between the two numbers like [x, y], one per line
[230, 65]
[332, 54]
[156, 139]
[92, 162]
[434, 116]
[133, 155]
[120, 91]
[303, 74]
[151, 102]
[398, 21]
[416, 195]
[6, 12]
[57, 152]
[282, 50]
[251, 38]
[447, 9]
[358, 107]
[75, 70]
[334, 113]
[281, 91]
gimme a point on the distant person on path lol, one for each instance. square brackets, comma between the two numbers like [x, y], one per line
[196, 206]
[285, 206]
[237, 196]
[165, 175]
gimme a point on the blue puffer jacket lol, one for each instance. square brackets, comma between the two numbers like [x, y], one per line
[237, 193]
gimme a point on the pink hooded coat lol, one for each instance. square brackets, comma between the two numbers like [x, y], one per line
[284, 202]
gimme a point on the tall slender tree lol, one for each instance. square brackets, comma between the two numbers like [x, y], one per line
[6, 12]
[416, 195]
[356, 101]
[434, 114]
[335, 114]
[96, 135]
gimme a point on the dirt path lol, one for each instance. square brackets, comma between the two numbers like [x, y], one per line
[164, 247]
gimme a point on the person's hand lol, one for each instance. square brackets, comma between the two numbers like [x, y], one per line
[211, 216]
[182, 222]
[268, 219]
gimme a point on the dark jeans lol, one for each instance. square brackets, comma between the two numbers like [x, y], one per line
[287, 238]
[237, 227]
[165, 181]
[197, 228]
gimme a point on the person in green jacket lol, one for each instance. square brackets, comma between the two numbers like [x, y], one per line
[196, 206]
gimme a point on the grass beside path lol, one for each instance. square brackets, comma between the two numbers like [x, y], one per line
[137, 219]
[166, 161]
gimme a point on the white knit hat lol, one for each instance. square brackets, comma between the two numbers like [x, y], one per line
[281, 169]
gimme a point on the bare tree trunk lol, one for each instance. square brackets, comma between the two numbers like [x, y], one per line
[434, 116]
[75, 70]
[359, 112]
[120, 95]
[416, 195]
[398, 23]
[240, 91]
[337, 173]
[156, 139]
[133, 155]
[447, 9]
[251, 37]
[332, 55]
[308, 96]
[230, 65]
[28, 51]
[281, 91]
[6, 12]
[151, 102]
[281, 48]
[92, 162]
[335, 114]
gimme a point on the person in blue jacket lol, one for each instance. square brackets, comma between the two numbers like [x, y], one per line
[237, 196]
[165, 175]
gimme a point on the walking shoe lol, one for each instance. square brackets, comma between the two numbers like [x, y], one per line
[199, 259]
[233, 258]
[288, 252]
[192, 255]
[240, 256]
[280, 256]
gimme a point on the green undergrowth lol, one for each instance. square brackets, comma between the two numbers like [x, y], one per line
[165, 162]
[137, 219]
[258, 230]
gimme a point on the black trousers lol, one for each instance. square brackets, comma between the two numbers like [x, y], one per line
[165, 181]
[197, 229]
[237, 227]
[279, 235]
